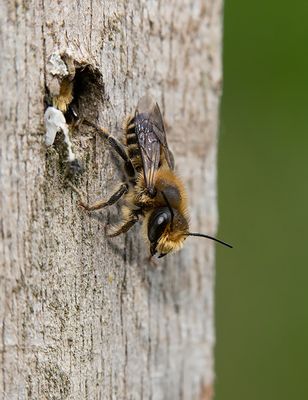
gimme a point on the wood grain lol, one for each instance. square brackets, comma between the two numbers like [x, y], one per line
[83, 317]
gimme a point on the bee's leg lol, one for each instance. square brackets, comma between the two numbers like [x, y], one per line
[123, 228]
[131, 218]
[102, 202]
[118, 147]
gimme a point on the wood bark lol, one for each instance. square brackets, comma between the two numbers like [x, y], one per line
[84, 317]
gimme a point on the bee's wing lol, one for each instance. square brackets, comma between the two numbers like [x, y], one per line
[152, 139]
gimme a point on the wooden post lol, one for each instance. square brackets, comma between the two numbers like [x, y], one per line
[84, 317]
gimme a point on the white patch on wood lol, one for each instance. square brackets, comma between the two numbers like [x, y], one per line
[55, 122]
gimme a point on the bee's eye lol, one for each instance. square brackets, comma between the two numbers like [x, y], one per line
[157, 223]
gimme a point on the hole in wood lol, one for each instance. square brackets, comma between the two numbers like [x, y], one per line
[87, 94]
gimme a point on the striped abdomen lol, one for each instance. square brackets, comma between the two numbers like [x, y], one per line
[132, 145]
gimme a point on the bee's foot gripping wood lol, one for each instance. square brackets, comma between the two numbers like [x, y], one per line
[76, 190]
[102, 202]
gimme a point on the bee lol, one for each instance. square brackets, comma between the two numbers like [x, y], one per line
[153, 192]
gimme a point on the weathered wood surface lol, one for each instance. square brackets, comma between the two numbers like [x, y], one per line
[83, 317]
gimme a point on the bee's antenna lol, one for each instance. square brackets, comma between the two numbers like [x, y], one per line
[169, 206]
[209, 237]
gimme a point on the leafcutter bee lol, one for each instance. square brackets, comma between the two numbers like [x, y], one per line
[153, 192]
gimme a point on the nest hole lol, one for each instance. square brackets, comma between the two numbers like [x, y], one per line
[88, 94]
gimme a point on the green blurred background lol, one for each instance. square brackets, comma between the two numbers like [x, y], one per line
[262, 284]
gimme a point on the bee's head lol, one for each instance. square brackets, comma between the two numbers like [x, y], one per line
[167, 230]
